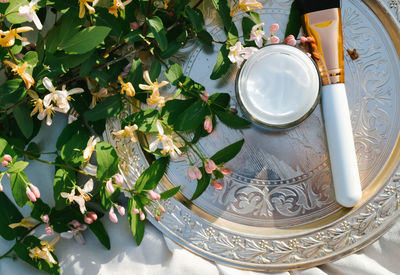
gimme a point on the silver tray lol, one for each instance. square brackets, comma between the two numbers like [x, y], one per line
[277, 210]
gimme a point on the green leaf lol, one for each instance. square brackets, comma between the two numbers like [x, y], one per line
[133, 36]
[174, 74]
[294, 24]
[24, 120]
[202, 184]
[173, 109]
[155, 69]
[224, 11]
[32, 58]
[144, 119]
[222, 65]
[12, 11]
[87, 66]
[72, 151]
[39, 208]
[107, 199]
[12, 91]
[159, 32]
[98, 229]
[18, 167]
[9, 214]
[67, 133]
[111, 106]
[233, 121]
[219, 101]
[192, 117]
[137, 226]
[5, 148]
[85, 40]
[247, 25]
[64, 181]
[255, 16]
[107, 161]
[195, 17]
[150, 177]
[173, 47]
[228, 152]
[233, 35]
[18, 187]
[205, 37]
[170, 193]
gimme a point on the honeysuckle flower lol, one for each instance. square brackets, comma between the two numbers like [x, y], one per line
[112, 216]
[209, 166]
[90, 147]
[110, 186]
[45, 251]
[194, 173]
[35, 190]
[126, 87]
[82, 5]
[118, 179]
[154, 87]
[120, 209]
[7, 38]
[59, 97]
[75, 231]
[49, 230]
[96, 97]
[31, 196]
[258, 35]
[153, 195]
[28, 12]
[21, 71]
[25, 222]
[290, 40]
[82, 197]
[117, 6]
[47, 113]
[274, 39]
[208, 125]
[37, 102]
[246, 5]
[4, 163]
[274, 28]
[168, 144]
[127, 132]
[217, 185]
[238, 53]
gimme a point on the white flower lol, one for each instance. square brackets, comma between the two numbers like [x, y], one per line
[76, 228]
[82, 197]
[168, 144]
[154, 87]
[238, 53]
[28, 12]
[48, 112]
[257, 35]
[127, 132]
[91, 144]
[59, 97]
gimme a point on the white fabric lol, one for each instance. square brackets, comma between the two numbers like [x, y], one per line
[158, 254]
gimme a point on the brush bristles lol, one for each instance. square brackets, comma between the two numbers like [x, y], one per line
[307, 6]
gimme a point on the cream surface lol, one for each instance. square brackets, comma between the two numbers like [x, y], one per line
[278, 85]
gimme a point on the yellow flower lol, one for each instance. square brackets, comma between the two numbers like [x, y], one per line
[127, 132]
[25, 222]
[82, 5]
[90, 147]
[7, 38]
[126, 87]
[37, 102]
[246, 5]
[21, 71]
[102, 93]
[118, 5]
[154, 87]
[44, 252]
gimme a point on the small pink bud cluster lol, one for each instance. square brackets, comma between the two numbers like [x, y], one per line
[6, 160]
[118, 179]
[49, 230]
[111, 214]
[210, 167]
[159, 213]
[32, 192]
[290, 40]
[273, 29]
[208, 124]
[194, 173]
[136, 211]
[153, 195]
[90, 217]
[307, 39]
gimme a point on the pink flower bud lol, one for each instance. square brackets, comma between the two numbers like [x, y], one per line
[225, 171]
[45, 218]
[204, 96]
[35, 190]
[157, 218]
[7, 158]
[162, 209]
[112, 215]
[273, 28]
[208, 126]
[142, 216]
[120, 209]
[217, 185]
[30, 194]
[135, 211]
[275, 39]
[1, 187]
[209, 166]
[4, 163]
[290, 40]
[88, 220]
[92, 215]
[194, 173]
[134, 25]
[49, 230]
[118, 179]
[153, 195]
[303, 39]
[75, 223]
[110, 186]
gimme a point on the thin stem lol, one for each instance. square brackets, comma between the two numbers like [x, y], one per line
[189, 144]
[12, 55]
[197, 4]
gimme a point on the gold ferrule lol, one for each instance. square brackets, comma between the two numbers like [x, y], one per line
[325, 27]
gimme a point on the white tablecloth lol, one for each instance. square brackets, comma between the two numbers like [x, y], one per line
[159, 255]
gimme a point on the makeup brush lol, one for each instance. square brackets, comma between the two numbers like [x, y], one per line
[322, 20]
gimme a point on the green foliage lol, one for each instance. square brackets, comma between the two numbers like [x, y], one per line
[150, 177]
[195, 17]
[64, 181]
[24, 120]
[224, 11]
[107, 161]
[294, 24]
[144, 119]
[12, 11]
[222, 64]
[85, 40]
[72, 151]
[157, 29]
[170, 193]
[9, 214]
[202, 184]
[19, 183]
[137, 226]
[228, 152]
[100, 232]
[233, 121]
[192, 117]
[111, 106]
[17, 167]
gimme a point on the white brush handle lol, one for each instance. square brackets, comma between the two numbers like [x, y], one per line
[346, 179]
